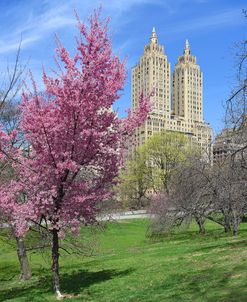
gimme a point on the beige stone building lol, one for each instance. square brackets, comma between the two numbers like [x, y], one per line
[153, 72]
[187, 88]
[228, 142]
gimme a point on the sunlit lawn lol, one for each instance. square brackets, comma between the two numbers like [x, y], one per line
[128, 266]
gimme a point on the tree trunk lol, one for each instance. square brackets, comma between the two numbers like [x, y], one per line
[55, 264]
[235, 228]
[227, 228]
[22, 256]
[200, 221]
[236, 222]
[227, 222]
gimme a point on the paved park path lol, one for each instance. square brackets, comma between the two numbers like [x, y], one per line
[111, 216]
[124, 215]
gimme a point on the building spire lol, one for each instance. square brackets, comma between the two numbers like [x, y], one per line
[187, 47]
[154, 39]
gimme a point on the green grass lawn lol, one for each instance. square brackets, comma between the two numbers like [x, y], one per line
[128, 266]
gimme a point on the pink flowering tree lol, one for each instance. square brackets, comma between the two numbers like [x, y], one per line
[76, 140]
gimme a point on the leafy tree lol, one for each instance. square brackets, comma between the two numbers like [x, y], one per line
[76, 140]
[152, 167]
[134, 182]
[164, 152]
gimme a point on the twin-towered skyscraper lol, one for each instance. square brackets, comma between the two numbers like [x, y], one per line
[185, 112]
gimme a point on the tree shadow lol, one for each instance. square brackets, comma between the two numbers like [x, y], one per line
[73, 282]
[12, 272]
[24, 290]
[222, 289]
[78, 280]
[207, 285]
[223, 245]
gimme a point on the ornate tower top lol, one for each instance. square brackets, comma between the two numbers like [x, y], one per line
[154, 39]
[187, 57]
[187, 48]
[153, 46]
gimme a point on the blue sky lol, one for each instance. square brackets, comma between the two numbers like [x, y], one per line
[213, 27]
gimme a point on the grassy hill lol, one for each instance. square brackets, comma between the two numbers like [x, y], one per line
[129, 267]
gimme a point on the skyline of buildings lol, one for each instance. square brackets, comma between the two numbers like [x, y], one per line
[177, 105]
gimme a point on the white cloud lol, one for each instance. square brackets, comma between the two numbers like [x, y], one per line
[36, 27]
[56, 15]
[53, 15]
[14, 45]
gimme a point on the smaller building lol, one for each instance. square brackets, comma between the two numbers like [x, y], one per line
[225, 144]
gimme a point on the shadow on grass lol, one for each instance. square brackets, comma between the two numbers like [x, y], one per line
[217, 285]
[76, 281]
[73, 282]
[12, 272]
[209, 285]
[222, 246]
[192, 235]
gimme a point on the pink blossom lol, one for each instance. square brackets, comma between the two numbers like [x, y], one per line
[75, 137]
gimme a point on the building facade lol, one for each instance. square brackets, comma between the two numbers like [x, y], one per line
[227, 143]
[153, 73]
[187, 88]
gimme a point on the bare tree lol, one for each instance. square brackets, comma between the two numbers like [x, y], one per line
[236, 118]
[201, 191]
[9, 118]
[230, 199]
[188, 197]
